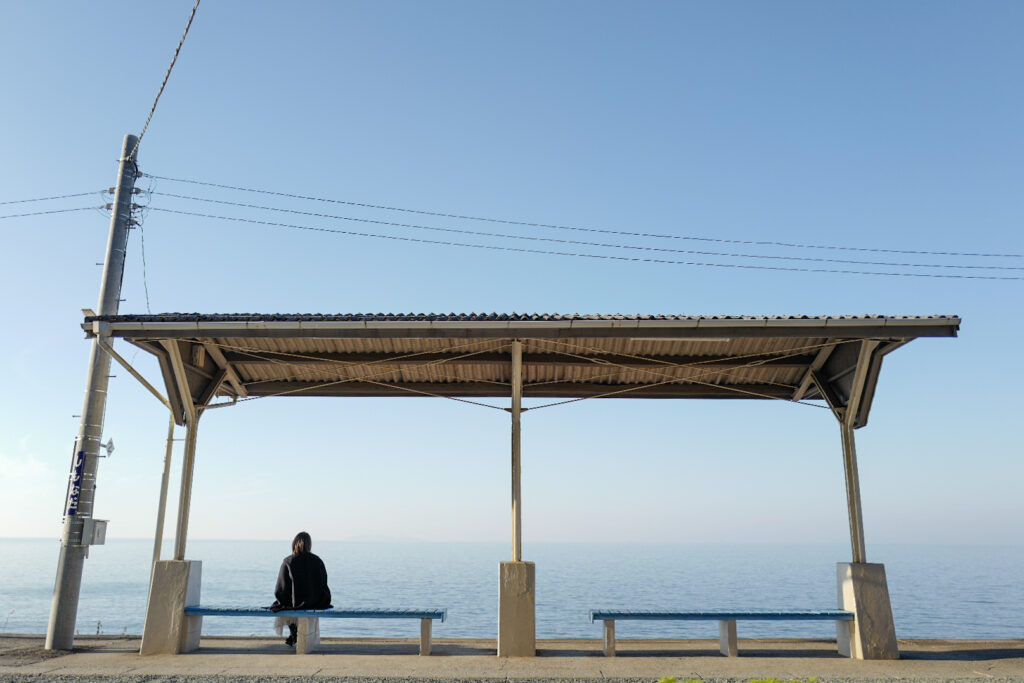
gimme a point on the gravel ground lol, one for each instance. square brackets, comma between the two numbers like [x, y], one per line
[53, 678]
[114, 659]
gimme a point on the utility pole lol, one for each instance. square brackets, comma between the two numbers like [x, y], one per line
[78, 506]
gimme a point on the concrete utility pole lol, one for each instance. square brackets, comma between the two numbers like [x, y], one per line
[78, 507]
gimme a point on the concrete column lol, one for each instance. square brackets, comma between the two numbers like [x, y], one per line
[863, 590]
[517, 629]
[175, 585]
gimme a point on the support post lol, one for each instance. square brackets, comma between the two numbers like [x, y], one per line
[60, 632]
[192, 413]
[847, 421]
[517, 469]
[853, 504]
[609, 637]
[727, 642]
[188, 461]
[308, 636]
[517, 628]
[161, 511]
[425, 629]
[861, 587]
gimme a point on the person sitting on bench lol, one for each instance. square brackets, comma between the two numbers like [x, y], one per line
[301, 584]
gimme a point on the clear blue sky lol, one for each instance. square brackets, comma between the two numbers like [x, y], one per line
[862, 124]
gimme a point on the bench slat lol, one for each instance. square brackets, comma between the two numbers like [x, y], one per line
[720, 615]
[209, 611]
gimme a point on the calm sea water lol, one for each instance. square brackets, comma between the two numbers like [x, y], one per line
[937, 591]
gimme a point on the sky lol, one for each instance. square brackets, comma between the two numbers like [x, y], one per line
[866, 125]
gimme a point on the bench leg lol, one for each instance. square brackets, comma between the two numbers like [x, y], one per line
[609, 637]
[727, 638]
[425, 626]
[309, 635]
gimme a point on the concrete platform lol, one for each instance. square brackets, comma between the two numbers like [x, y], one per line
[108, 658]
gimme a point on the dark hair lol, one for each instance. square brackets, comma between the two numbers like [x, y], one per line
[302, 543]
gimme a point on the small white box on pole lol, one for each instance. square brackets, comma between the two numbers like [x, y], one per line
[94, 531]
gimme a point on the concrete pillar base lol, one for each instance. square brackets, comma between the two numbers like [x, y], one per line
[309, 635]
[863, 590]
[175, 585]
[517, 625]
[727, 643]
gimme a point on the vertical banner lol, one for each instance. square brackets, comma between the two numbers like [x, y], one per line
[75, 484]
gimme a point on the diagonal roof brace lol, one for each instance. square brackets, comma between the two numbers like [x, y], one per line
[815, 366]
[181, 381]
[105, 345]
[232, 377]
[848, 378]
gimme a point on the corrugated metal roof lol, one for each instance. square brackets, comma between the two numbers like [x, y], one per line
[474, 317]
[469, 354]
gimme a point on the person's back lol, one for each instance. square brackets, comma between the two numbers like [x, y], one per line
[302, 583]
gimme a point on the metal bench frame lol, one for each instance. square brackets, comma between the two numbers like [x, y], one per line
[308, 620]
[726, 619]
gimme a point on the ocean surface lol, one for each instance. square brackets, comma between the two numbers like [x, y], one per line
[937, 591]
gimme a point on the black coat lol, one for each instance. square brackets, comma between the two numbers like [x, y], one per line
[302, 584]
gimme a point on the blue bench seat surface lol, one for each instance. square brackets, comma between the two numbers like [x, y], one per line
[723, 615]
[334, 613]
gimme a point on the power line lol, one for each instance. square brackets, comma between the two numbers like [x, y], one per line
[585, 243]
[164, 84]
[586, 229]
[577, 255]
[44, 213]
[46, 199]
[145, 283]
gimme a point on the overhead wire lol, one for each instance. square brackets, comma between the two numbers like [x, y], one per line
[143, 210]
[152, 110]
[46, 199]
[46, 213]
[494, 247]
[145, 281]
[773, 243]
[536, 238]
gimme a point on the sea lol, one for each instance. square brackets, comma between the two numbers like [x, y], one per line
[937, 591]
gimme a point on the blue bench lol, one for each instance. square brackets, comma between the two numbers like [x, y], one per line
[726, 621]
[308, 620]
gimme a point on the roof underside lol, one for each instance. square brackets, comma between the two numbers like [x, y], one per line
[469, 355]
